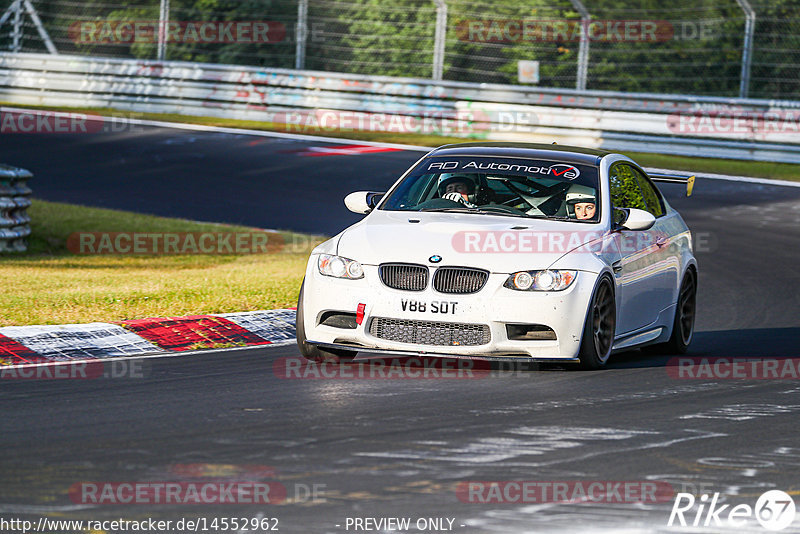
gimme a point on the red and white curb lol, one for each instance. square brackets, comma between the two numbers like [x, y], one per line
[25, 345]
[345, 150]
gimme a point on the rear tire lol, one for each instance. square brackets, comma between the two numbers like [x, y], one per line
[601, 322]
[312, 352]
[683, 324]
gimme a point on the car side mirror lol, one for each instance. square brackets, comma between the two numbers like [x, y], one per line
[362, 201]
[637, 220]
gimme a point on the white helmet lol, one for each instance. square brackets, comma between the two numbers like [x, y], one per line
[578, 194]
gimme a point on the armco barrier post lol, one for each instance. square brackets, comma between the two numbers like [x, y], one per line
[163, 21]
[583, 48]
[14, 201]
[439, 39]
[301, 33]
[747, 47]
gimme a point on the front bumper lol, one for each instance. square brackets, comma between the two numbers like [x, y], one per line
[494, 305]
[403, 353]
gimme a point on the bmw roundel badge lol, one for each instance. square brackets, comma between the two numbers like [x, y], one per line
[435, 258]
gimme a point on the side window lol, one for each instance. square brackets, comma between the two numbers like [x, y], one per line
[625, 192]
[650, 195]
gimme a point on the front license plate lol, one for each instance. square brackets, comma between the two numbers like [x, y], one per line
[447, 307]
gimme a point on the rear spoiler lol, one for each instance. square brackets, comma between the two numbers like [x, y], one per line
[674, 179]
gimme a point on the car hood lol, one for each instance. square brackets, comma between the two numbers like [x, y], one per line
[496, 243]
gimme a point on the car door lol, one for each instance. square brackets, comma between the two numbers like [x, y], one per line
[640, 281]
[666, 266]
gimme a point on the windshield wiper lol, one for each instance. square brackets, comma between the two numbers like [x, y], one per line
[486, 211]
[551, 217]
[492, 209]
[456, 210]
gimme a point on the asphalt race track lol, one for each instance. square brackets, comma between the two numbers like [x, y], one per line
[400, 447]
[259, 181]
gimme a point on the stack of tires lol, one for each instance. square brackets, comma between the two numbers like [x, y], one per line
[14, 201]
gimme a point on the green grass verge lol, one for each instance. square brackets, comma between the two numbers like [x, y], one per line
[50, 285]
[778, 171]
[775, 171]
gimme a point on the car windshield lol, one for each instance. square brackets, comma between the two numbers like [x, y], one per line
[500, 186]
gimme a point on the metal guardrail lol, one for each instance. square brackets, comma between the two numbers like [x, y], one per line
[14, 201]
[381, 85]
[617, 121]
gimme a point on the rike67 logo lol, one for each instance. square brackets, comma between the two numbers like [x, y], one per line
[774, 510]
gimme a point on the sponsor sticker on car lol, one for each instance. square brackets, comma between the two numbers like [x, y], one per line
[556, 170]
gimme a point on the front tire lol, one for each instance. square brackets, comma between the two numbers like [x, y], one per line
[312, 352]
[598, 331]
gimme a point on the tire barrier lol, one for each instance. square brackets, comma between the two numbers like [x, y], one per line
[14, 201]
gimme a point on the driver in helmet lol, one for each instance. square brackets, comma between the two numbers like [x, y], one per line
[458, 188]
[581, 202]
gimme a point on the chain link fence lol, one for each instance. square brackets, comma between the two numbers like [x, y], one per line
[721, 48]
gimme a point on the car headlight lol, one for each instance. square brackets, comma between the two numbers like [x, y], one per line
[548, 280]
[339, 267]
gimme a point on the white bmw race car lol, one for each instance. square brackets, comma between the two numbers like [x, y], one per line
[520, 252]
